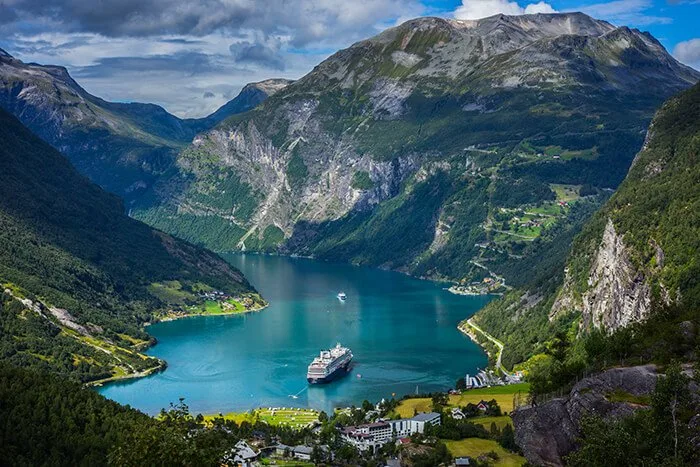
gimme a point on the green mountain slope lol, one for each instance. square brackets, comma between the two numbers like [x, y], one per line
[123, 147]
[79, 276]
[445, 149]
[636, 261]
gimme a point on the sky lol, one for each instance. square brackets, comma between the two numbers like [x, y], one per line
[192, 56]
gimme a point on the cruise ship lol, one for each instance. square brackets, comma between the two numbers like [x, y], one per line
[329, 365]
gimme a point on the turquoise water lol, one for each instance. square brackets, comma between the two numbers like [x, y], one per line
[401, 330]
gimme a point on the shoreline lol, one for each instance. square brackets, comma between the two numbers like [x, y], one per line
[470, 329]
[166, 319]
[163, 365]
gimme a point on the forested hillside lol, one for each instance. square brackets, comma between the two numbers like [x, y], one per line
[80, 277]
[630, 287]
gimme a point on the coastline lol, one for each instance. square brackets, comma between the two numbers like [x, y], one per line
[168, 318]
[162, 364]
[470, 329]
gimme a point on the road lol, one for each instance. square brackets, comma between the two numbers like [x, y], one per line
[498, 344]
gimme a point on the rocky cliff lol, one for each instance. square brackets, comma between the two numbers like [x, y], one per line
[456, 132]
[547, 432]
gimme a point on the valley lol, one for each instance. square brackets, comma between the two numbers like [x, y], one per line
[499, 216]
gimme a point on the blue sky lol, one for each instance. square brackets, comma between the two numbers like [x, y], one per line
[193, 56]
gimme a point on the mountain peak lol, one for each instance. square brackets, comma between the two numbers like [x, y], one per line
[268, 86]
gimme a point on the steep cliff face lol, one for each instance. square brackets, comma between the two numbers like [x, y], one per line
[345, 162]
[647, 246]
[619, 294]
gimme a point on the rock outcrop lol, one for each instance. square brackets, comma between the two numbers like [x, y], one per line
[619, 294]
[546, 433]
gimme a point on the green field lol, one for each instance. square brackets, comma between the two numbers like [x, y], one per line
[502, 394]
[566, 193]
[170, 292]
[486, 422]
[297, 418]
[475, 447]
[286, 462]
[213, 307]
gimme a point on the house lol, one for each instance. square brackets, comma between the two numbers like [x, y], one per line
[417, 424]
[457, 414]
[459, 461]
[242, 454]
[282, 449]
[482, 405]
[302, 452]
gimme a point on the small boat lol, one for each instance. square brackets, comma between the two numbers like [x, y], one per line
[342, 296]
[359, 375]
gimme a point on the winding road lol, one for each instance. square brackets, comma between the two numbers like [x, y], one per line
[498, 344]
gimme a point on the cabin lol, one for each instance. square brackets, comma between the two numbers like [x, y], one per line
[482, 405]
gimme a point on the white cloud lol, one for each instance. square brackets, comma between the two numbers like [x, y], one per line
[128, 50]
[688, 52]
[540, 7]
[476, 9]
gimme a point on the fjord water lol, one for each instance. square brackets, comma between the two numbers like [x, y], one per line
[402, 331]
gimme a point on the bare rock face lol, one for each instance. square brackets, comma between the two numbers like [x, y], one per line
[548, 432]
[619, 295]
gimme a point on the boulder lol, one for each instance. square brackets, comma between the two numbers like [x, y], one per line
[546, 433]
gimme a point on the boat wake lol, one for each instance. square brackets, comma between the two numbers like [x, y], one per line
[296, 396]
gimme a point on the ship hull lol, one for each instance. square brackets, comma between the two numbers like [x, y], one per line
[338, 373]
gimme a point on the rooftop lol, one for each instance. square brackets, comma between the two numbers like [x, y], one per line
[424, 417]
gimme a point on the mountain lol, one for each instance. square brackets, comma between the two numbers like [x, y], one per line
[80, 278]
[632, 273]
[462, 150]
[252, 95]
[123, 147]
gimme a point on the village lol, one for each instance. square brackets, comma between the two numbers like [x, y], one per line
[466, 420]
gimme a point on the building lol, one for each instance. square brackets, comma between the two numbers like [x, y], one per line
[242, 454]
[417, 424]
[482, 405]
[302, 452]
[368, 437]
[371, 436]
[459, 461]
[457, 414]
